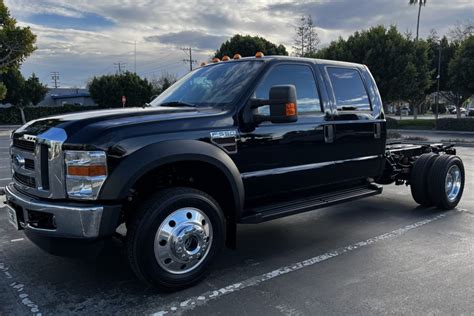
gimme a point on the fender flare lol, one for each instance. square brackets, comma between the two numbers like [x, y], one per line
[140, 162]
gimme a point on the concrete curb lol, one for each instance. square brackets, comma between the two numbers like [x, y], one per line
[431, 131]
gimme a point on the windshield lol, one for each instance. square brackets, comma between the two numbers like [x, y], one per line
[216, 85]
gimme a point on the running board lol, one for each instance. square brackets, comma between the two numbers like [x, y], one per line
[274, 211]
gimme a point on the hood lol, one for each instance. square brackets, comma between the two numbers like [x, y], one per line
[92, 126]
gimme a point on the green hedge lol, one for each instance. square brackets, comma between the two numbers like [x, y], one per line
[454, 124]
[417, 124]
[12, 115]
[392, 123]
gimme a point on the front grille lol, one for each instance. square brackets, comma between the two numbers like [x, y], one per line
[24, 144]
[25, 180]
[29, 164]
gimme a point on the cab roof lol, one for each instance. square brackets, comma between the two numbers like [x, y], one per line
[290, 58]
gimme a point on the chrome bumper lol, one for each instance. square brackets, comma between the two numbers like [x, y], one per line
[71, 220]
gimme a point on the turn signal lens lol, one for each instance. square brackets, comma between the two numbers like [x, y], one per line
[290, 109]
[259, 55]
[87, 171]
[237, 56]
[216, 60]
[225, 58]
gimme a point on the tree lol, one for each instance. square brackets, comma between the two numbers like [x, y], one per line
[20, 92]
[107, 91]
[306, 38]
[419, 73]
[462, 31]
[391, 57]
[461, 73]
[16, 43]
[33, 90]
[312, 35]
[163, 82]
[300, 37]
[247, 45]
[420, 4]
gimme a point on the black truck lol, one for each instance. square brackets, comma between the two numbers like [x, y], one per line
[240, 141]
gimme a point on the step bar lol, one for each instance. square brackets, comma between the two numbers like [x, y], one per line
[287, 208]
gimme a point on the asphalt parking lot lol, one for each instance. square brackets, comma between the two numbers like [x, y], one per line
[381, 255]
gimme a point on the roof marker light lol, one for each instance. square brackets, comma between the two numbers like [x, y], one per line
[216, 60]
[237, 56]
[259, 55]
[225, 58]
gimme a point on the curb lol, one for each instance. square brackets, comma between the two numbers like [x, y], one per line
[431, 131]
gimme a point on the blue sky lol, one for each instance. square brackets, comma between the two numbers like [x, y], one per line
[83, 38]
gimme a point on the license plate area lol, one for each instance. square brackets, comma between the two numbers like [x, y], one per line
[13, 217]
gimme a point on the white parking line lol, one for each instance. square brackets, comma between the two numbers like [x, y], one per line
[1, 179]
[18, 239]
[202, 299]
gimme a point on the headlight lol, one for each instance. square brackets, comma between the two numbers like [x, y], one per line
[86, 171]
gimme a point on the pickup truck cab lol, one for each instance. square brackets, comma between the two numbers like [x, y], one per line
[240, 141]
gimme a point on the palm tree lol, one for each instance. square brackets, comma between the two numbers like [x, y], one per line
[420, 4]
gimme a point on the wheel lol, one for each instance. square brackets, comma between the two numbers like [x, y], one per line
[174, 236]
[419, 179]
[446, 181]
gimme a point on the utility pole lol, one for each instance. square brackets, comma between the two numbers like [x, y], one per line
[135, 62]
[55, 79]
[189, 59]
[119, 66]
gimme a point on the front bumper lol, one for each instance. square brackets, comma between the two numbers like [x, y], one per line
[62, 219]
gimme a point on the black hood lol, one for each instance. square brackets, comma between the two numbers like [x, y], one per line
[94, 126]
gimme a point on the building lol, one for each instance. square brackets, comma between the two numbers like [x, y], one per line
[62, 96]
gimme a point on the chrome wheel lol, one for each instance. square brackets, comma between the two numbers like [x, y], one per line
[453, 183]
[183, 240]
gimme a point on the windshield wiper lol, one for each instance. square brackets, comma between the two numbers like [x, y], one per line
[178, 103]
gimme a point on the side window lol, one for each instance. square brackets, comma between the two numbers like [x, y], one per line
[301, 77]
[349, 89]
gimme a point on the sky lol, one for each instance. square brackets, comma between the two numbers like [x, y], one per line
[81, 39]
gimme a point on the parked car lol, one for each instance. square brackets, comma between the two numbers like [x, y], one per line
[462, 110]
[242, 141]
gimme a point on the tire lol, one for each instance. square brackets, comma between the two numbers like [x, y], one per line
[445, 168]
[419, 179]
[173, 224]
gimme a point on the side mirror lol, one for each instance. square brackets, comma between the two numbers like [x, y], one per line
[282, 102]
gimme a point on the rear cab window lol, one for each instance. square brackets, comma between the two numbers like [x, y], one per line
[349, 89]
[299, 75]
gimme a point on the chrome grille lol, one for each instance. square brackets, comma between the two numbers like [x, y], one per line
[23, 144]
[29, 164]
[38, 163]
[25, 180]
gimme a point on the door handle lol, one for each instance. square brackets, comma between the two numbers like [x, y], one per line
[329, 133]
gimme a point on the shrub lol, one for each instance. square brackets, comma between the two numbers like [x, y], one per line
[416, 124]
[392, 123]
[454, 124]
[12, 115]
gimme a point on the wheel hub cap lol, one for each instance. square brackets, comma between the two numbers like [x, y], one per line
[453, 183]
[183, 240]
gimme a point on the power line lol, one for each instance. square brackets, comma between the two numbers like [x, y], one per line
[189, 53]
[55, 79]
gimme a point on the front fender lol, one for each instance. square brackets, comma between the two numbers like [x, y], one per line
[139, 163]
